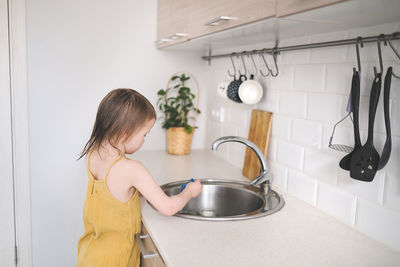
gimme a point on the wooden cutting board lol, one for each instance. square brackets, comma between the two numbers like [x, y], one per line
[259, 132]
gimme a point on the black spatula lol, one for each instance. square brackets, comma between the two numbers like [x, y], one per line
[364, 162]
[355, 103]
[387, 148]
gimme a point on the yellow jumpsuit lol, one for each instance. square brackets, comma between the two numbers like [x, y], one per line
[110, 226]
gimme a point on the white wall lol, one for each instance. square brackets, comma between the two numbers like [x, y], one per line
[307, 98]
[77, 52]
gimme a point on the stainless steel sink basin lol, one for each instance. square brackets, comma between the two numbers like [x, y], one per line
[222, 200]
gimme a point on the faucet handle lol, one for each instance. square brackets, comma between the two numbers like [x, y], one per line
[260, 178]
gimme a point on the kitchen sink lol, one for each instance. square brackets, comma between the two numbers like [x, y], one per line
[223, 200]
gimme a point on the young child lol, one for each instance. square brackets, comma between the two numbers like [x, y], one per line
[112, 214]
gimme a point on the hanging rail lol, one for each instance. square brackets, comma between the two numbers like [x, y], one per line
[277, 50]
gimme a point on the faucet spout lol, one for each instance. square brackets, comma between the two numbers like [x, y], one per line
[263, 163]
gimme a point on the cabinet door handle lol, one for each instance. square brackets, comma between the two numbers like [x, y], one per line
[163, 40]
[145, 253]
[177, 36]
[216, 21]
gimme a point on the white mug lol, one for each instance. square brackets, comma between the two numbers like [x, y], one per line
[250, 91]
[223, 87]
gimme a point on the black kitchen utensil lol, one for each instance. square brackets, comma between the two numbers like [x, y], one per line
[355, 104]
[387, 148]
[233, 88]
[365, 160]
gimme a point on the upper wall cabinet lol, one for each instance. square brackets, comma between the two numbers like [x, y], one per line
[209, 16]
[172, 22]
[289, 7]
[181, 20]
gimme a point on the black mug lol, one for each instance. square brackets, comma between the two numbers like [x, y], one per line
[233, 88]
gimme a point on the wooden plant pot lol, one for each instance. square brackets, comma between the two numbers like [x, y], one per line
[178, 141]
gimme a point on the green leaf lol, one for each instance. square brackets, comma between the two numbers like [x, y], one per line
[188, 129]
[161, 92]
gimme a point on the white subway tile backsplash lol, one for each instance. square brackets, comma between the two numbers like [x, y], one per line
[290, 155]
[379, 223]
[296, 57]
[239, 114]
[308, 97]
[321, 166]
[236, 155]
[269, 101]
[329, 55]
[306, 133]
[281, 128]
[325, 108]
[392, 196]
[393, 166]
[272, 148]
[336, 203]
[395, 115]
[293, 104]
[229, 129]
[338, 78]
[395, 85]
[309, 78]
[279, 175]
[301, 186]
[365, 190]
[285, 80]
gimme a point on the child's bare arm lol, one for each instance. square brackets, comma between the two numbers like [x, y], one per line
[140, 178]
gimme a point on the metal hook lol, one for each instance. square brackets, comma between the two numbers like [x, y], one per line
[379, 55]
[274, 53]
[234, 68]
[359, 42]
[244, 65]
[266, 64]
[389, 40]
[254, 63]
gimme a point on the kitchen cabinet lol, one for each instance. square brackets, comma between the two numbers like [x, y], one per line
[289, 7]
[171, 22]
[149, 246]
[209, 16]
[182, 20]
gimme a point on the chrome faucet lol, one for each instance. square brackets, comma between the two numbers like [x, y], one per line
[261, 179]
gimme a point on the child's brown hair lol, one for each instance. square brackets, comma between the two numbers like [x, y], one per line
[121, 112]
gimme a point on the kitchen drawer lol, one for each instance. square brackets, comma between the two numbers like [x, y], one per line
[149, 247]
[289, 7]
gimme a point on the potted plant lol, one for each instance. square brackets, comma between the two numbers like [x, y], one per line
[176, 103]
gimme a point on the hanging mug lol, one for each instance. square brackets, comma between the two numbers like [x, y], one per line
[223, 87]
[233, 88]
[250, 91]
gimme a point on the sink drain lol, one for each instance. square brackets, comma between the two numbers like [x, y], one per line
[207, 213]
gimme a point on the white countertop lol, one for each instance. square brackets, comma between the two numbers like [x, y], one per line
[297, 235]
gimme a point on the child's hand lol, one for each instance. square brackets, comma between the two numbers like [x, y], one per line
[194, 188]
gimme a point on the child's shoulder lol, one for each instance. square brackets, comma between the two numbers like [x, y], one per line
[131, 166]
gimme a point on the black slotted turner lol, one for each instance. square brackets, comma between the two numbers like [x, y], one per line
[364, 162]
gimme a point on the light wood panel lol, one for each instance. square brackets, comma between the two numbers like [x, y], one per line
[149, 245]
[259, 133]
[189, 17]
[244, 12]
[289, 7]
[172, 16]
